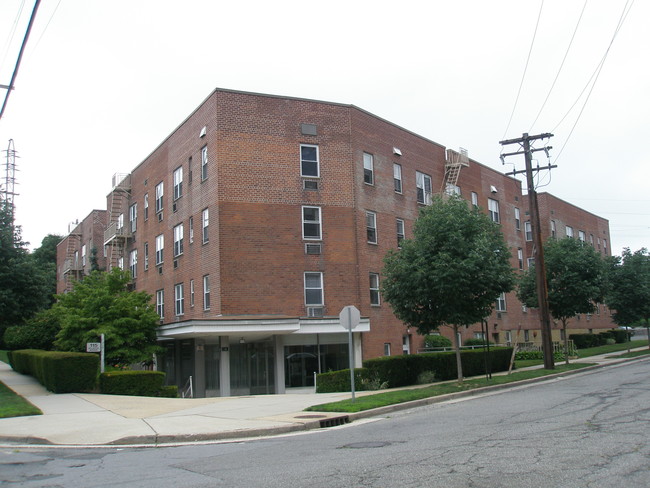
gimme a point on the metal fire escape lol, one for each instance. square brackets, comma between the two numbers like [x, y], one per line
[117, 231]
[72, 266]
[455, 162]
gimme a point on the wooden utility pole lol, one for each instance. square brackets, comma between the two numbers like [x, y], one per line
[540, 268]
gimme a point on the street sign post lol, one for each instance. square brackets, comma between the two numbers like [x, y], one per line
[97, 347]
[349, 318]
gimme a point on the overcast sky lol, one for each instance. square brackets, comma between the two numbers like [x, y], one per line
[103, 83]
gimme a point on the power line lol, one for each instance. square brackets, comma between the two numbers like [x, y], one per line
[523, 76]
[12, 31]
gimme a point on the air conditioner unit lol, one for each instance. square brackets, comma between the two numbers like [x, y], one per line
[309, 185]
[313, 248]
[314, 311]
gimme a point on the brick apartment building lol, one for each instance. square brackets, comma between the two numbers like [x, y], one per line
[260, 217]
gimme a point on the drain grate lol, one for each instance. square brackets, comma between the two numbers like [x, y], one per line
[334, 421]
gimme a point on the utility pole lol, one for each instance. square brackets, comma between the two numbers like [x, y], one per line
[540, 268]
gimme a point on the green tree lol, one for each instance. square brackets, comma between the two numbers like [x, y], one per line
[45, 258]
[576, 279]
[629, 288]
[103, 304]
[23, 284]
[451, 272]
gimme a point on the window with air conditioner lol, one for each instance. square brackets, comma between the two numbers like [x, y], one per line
[309, 164]
[423, 185]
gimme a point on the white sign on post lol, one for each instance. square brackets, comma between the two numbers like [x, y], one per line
[349, 318]
[93, 347]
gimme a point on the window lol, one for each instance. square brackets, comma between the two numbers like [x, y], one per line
[530, 262]
[526, 335]
[159, 197]
[423, 184]
[520, 258]
[191, 230]
[605, 245]
[146, 256]
[189, 170]
[528, 230]
[553, 231]
[371, 227]
[205, 222]
[397, 177]
[368, 169]
[581, 235]
[206, 292]
[160, 246]
[311, 223]
[76, 258]
[475, 199]
[517, 219]
[309, 166]
[314, 289]
[400, 232]
[569, 231]
[386, 348]
[204, 163]
[191, 293]
[374, 289]
[146, 206]
[178, 183]
[160, 303]
[493, 209]
[452, 189]
[591, 240]
[179, 299]
[120, 222]
[501, 303]
[133, 216]
[120, 262]
[83, 255]
[178, 240]
[133, 263]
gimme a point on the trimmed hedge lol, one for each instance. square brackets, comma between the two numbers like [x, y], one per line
[396, 371]
[135, 383]
[583, 341]
[59, 372]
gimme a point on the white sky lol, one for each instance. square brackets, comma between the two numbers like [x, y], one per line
[103, 83]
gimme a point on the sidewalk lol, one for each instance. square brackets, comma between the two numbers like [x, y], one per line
[84, 419]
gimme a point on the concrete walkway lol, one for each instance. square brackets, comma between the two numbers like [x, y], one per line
[83, 419]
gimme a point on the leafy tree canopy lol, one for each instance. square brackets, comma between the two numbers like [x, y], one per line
[629, 287]
[575, 275]
[102, 304]
[452, 271]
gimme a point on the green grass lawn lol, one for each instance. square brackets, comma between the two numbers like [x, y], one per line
[13, 405]
[400, 396]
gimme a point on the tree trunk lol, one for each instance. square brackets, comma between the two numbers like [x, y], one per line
[566, 342]
[459, 363]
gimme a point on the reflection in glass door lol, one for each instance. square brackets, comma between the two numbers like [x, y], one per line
[212, 357]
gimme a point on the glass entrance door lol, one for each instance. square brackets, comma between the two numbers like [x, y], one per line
[252, 369]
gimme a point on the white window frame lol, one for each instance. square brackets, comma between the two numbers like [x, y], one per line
[204, 163]
[493, 209]
[386, 348]
[178, 182]
[311, 224]
[368, 169]
[160, 303]
[520, 258]
[375, 298]
[133, 263]
[517, 219]
[424, 188]
[475, 199]
[146, 256]
[83, 255]
[179, 234]
[501, 303]
[120, 222]
[191, 293]
[569, 231]
[582, 237]
[146, 206]
[528, 231]
[160, 248]
[206, 292]
[191, 226]
[205, 224]
[399, 224]
[179, 299]
[304, 160]
[160, 193]
[371, 227]
[120, 262]
[553, 229]
[133, 217]
[308, 301]
[397, 177]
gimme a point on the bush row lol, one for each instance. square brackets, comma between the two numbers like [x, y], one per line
[583, 341]
[59, 372]
[396, 371]
[136, 383]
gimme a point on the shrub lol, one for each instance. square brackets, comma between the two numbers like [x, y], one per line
[610, 342]
[170, 391]
[431, 341]
[335, 381]
[38, 333]
[426, 377]
[59, 372]
[475, 342]
[135, 383]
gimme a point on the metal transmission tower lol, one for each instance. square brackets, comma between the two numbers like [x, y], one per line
[9, 185]
[540, 268]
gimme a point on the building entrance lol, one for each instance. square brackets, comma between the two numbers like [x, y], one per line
[252, 370]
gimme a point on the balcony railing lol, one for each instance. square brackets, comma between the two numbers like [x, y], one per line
[71, 265]
[114, 232]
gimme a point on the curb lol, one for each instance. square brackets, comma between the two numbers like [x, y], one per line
[168, 440]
